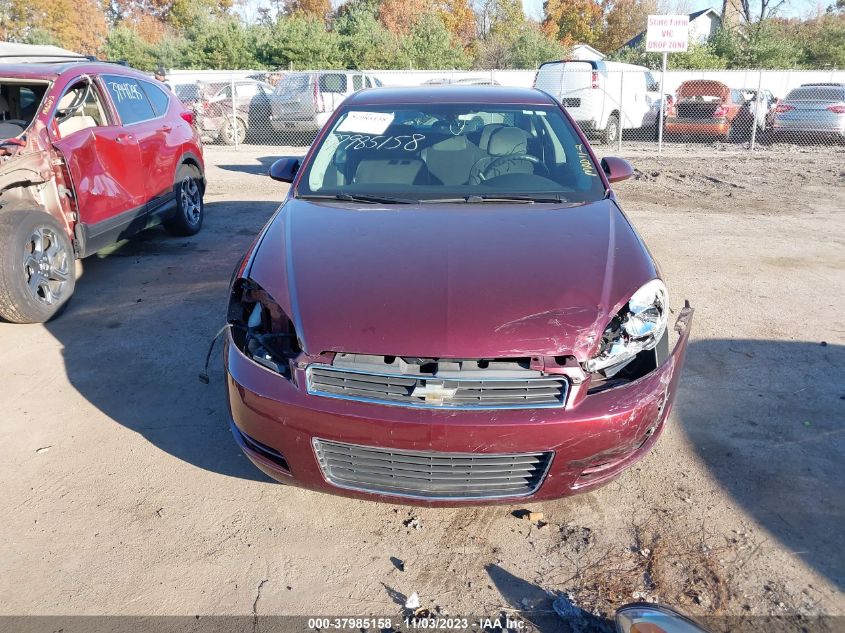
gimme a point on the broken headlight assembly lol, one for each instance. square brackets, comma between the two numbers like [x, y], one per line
[260, 328]
[640, 326]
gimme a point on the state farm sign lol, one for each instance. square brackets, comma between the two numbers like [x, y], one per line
[667, 33]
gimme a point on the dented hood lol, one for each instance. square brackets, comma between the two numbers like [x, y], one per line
[451, 280]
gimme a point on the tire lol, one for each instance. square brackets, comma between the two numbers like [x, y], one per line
[611, 130]
[228, 131]
[37, 266]
[190, 209]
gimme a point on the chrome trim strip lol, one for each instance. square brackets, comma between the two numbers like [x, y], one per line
[315, 441]
[414, 405]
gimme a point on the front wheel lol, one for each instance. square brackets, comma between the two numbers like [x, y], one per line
[37, 274]
[190, 209]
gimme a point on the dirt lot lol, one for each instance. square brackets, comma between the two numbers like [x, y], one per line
[123, 492]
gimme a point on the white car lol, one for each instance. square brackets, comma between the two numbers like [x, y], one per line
[604, 98]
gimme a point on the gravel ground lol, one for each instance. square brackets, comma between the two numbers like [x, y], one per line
[125, 494]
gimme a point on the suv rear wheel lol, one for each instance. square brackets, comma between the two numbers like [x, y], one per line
[37, 270]
[189, 205]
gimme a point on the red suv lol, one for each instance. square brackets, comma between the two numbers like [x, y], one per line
[90, 153]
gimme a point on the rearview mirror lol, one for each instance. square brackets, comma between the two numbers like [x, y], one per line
[284, 169]
[616, 168]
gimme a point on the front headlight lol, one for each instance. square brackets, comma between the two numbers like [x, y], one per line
[260, 328]
[638, 326]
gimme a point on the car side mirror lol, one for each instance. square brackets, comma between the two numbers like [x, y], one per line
[284, 169]
[616, 169]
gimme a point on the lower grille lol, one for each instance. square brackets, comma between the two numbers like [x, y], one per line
[433, 392]
[431, 475]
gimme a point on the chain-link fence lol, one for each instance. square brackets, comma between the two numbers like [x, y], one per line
[616, 105]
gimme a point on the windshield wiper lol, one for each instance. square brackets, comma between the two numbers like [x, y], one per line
[349, 197]
[526, 199]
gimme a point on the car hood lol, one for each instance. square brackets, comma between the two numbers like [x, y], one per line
[451, 280]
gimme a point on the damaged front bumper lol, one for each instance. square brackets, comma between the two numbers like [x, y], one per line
[284, 431]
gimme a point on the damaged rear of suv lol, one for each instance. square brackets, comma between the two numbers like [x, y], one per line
[90, 153]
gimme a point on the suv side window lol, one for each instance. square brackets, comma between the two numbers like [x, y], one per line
[129, 99]
[333, 82]
[157, 96]
[651, 84]
[80, 108]
[357, 82]
[737, 96]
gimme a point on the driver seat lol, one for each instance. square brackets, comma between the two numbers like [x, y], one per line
[505, 141]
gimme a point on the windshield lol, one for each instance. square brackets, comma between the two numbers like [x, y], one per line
[292, 84]
[443, 151]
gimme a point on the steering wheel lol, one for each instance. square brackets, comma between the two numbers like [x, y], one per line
[457, 124]
[483, 173]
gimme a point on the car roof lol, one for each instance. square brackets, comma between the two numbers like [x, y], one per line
[50, 70]
[423, 95]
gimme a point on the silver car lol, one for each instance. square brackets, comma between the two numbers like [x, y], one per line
[812, 109]
[303, 102]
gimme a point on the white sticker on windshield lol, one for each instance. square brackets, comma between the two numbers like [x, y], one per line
[366, 122]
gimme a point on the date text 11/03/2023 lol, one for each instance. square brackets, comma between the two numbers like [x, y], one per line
[417, 623]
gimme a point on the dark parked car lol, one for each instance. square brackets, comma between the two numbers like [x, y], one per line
[90, 153]
[450, 307]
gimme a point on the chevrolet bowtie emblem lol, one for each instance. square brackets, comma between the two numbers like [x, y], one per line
[434, 392]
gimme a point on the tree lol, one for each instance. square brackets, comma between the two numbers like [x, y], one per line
[531, 47]
[364, 42]
[765, 45]
[176, 13]
[624, 20]
[573, 21]
[499, 16]
[125, 44]
[430, 45]
[758, 10]
[317, 9]
[78, 25]
[824, 42]
[299, 42]
[221, 43]
[401, 16]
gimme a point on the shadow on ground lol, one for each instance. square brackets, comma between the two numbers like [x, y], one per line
[137, 329]
[766, 417]
[264, 162]
[527, 601]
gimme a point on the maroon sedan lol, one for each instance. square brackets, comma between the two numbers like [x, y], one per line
[450, 308]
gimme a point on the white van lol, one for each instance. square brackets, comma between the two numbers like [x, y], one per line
[603, 97]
